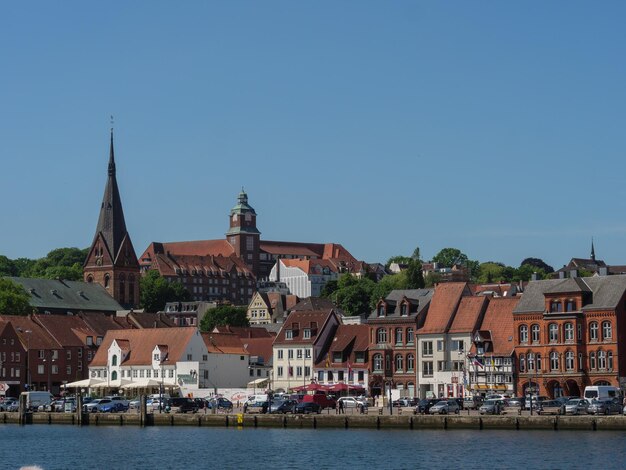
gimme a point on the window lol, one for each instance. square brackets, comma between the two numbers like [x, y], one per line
[114, 360]
[337, 357]
[538, 362]
[280, 354]
[307, 354]
[523, 334]
[427, 368]
[320, 376]
[409, 336]
[205, 357]
[41, 354]
[609, 356]
[607, 331]
[69, 354]
[553, 332]
[170, 373]
[378, 362]
[279, 371]
[534, 331]
[427, 349]
[55, 369]
[522, 363]
[381, 336]
[299, 371]
[307, 333]
[569, 360]
[381, 310]
[601, 360]
[299, 353]
[398, 335]
[441, 366]
[361, 376]
[556, 306]
[569, 332]
[307, 371]
[189, 357]
[288, 334]
[592, 360]
[580, 361]
[410, 362]
[570, 305]
[290, 354]
[554, 361]
[40, 369]
[399, 362]
[441, 345]
[531, 362]
[579, 327]
[457, 345]
[404, 311]
[593, 331]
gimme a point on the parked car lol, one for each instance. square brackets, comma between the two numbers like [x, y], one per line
[323, 400]
[283, 406]
[472, 403]
[257, 407]
[515, 401]
[402, 402]
[550, 407]
[180, 405]
[352, 402]
[53, 407]
[13, 406]
[111, 406]
[220, 403]
[424, 405]
[118, 399]
[491, 407]
[92, 406]
[576, 406]
[134, 404]
[535, 401]
[307, 407]
[445, 407]
[605, 407]
[4, 405]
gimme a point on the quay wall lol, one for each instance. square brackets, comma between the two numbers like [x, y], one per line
[406, 421]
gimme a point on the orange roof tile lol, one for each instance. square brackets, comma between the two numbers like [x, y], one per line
[499, 321]
[261, 347]
[224, 343]
[468, 314]
[305, 319]
[443, 306]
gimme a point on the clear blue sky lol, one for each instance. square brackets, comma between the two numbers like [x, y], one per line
[494, 127]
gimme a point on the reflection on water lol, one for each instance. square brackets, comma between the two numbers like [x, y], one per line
[71, 447]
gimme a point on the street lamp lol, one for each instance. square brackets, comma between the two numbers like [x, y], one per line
[28, 333]
[388, 384]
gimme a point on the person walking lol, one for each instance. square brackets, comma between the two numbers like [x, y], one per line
[341, 411]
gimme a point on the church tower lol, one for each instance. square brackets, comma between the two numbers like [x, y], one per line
[243, 235]
[112, 261]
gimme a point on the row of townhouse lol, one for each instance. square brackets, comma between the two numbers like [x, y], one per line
[556, 338]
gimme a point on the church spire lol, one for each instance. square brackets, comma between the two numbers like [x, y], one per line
[593, 251]
[111, 157]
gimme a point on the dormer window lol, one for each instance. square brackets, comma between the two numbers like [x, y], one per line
[89, 340]
[556, 306]
[381, 310]
[288, 334]
[307, 333]
[404, 310]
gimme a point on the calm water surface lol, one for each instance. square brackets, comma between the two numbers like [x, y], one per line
[70, 447]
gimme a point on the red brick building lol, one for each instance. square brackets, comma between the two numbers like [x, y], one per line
[566, 335]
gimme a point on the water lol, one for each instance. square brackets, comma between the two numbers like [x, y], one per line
[71, 447]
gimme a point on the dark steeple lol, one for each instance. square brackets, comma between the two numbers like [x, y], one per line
[111, 222]
[593, 251]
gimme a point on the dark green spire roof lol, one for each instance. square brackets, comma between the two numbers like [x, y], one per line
[242, 206]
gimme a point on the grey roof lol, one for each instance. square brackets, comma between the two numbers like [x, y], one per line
[67, 295]
[569, 285]
[606, 293]
[418, 298]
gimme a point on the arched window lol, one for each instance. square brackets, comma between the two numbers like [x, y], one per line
[381, 336]
[554, 360]
[114, 375]
[410, 362]
[399, 362]
[378, 362]
[569, 332]
[409, 336]
[535, 333]
[593, 331]
[553, 331]
[607, 330]
[107, 280]
[592, 360]
[522, 363]
[609, 356]
[569, 360]
[114, 360]
[601, 360]
[523, 334]
[398, 335]
[90, 278]
[538, 358]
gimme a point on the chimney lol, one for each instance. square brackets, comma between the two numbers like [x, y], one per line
[561, 274]
[534, 277]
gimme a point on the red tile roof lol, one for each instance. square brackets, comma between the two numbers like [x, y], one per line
[224, 343]
[261, 347]
[38, 338]
[499, 321]
[313, 319]
[244, 331]
[443, 306]
[468, 314]
[142, 343]
[190, 248]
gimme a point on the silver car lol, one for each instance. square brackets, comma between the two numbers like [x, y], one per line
[576, 406]
[491, 407]
[606, 407]
[445, 407]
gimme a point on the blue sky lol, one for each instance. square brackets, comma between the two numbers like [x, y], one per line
[494, 127]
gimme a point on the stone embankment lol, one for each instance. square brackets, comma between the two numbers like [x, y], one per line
[589, 423]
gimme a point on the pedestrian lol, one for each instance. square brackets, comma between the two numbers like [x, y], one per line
[341, 411]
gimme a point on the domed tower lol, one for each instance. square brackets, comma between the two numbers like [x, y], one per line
[112, 261]
[243, 235]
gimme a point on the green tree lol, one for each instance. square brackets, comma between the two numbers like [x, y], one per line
[329, 289]
[156, 291]
[224, 315]
[386, 285]
[7, 267]
[14, 300]
[538, 263]
[24, 266]
[397, 259]
[432, 279]
[414, 275]
[448, 257]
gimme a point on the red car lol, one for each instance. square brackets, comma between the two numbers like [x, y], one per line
[321, 399]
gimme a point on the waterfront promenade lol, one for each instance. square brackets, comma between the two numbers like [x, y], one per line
[371, 420]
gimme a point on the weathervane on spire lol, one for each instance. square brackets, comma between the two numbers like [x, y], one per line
[112, 123]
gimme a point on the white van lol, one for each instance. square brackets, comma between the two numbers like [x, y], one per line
[257, 399]
[601, 392]
[36, 399]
